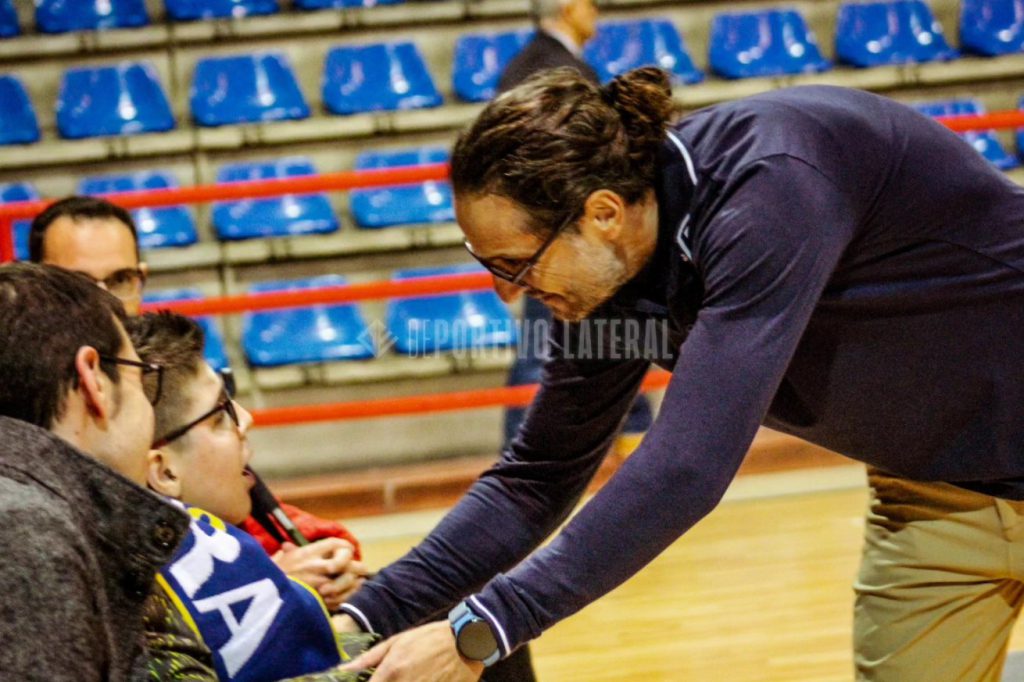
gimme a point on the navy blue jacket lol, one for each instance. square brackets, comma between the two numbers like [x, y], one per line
[829, 263]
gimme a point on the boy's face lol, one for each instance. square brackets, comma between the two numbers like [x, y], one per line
[210, 460]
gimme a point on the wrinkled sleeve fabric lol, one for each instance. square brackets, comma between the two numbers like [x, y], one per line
[765, 257]
[515, 505]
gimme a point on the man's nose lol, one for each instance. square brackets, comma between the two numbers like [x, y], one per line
[507, 292]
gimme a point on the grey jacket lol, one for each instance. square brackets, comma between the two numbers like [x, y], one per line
[79, 548]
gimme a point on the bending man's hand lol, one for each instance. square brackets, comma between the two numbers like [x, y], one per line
[425, 654]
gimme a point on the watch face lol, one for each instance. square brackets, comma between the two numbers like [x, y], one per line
[476, 641]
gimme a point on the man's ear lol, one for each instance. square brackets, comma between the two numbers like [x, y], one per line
[604, 215]
[94, 385]
[162, 474]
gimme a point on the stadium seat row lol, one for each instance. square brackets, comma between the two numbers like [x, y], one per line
[429, 202]
[325, 333]
[62, 16]
[424, 203]
[128, 98]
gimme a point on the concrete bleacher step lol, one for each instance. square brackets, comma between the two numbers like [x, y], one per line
[380, 369]
[410, 487]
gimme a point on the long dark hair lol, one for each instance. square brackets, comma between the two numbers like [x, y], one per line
[555, 139]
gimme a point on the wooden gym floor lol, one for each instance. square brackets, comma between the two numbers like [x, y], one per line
[758, 592]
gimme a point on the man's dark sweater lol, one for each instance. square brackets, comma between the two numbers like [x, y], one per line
[829, 263]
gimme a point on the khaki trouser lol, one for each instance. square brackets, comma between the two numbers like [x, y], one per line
[940, 582]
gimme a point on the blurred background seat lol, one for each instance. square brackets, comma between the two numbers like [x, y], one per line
[61, 16]
[305, 335]
[480, 59]
[436, 324]
[342, 4]
[18, 123]
[8, 19]
[622, 46]
[985, 141]
[245, 89]
[125, 99]
[10, 193]
[429, 202]
[157, 227]
[214, 351]
[992, 27]
[890, 32]
[191, 10]
[282, 216]
[763, 43]
[379, 77]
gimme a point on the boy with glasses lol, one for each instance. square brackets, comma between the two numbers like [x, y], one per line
[253, 622]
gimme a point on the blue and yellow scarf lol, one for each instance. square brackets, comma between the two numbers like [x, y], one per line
[260, 624]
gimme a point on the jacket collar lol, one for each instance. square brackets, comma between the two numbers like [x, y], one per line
[119, 513]
[674, 187]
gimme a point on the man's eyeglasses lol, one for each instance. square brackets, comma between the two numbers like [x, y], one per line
[152, 376]
[226, 404]
[123, 283]
[515, 275]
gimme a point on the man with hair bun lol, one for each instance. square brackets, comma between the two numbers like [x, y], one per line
[824, 261]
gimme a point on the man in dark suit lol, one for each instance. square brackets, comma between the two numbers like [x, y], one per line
[563, 28]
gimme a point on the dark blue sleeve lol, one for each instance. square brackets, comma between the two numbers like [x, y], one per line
[515, 505]
[765, 257]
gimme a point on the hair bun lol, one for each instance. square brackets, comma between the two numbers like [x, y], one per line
[643, 99]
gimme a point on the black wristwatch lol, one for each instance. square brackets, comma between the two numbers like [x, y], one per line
[473, 636]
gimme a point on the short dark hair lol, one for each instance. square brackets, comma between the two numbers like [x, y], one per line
[76, 208]
[47, 314]
[556, 138]
[176, 343]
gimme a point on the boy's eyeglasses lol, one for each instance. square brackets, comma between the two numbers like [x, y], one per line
[225, 404]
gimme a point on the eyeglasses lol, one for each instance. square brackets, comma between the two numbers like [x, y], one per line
[517, 276]
[226, 404]
[152, 376]
[123, 283]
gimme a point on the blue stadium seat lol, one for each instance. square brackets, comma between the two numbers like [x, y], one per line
[191, 10]
[112, 100]
[429, 202]
[381, 77]
[245, 89]
[18, 124]
[283, 216]
[766, 43]
[890, 32]
[984, 141]
[8, 19]
[992, 27]
[61, 16]
[303, 335]
[342, 4]
[10, 193]
[436, 324]
[480, 58]
[214, 351]
[622, 46]
[158, 227]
